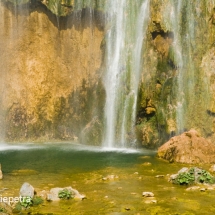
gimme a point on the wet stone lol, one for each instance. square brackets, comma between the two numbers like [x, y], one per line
[146, 164]
[159, 176]
[150, 201]
[193, 188]
[147, 194]
[26, 190]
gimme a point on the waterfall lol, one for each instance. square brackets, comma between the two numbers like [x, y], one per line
[180, 18]
[124, 43]
[106, 71]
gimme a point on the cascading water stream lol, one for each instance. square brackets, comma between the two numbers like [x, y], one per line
[124, 43]
[179, 17]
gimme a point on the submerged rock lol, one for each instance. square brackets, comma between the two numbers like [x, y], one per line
[188, 147]
[159, 176]
[26, 190]
[193, 188]
[24, 172]
[148, 194]
[149, 197]
[110, 177]
[146, 164]
[150, 200]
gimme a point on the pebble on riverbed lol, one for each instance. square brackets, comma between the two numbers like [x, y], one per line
[146, 164]
[193, 188]
[110, 177]
[148, 194]
[159, 176]
[149, 201]
[149, 197]
[202, 189]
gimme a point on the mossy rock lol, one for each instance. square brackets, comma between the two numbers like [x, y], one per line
[193, 175]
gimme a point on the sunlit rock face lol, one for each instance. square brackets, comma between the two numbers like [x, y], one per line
[62, 7]
[49, 72]
[188, 147]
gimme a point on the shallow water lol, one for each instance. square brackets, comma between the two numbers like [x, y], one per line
[59, 165]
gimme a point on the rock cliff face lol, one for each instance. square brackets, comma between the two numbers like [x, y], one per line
[49, 72]
[52, 56]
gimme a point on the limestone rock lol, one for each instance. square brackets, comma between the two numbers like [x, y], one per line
[26, 190]
[110, 177]
[184, 169]
[212, 169]
[150, 200]
[188, 147]
[193, 188]
[48, 84]
[193, 175]
[43, 194]
[159, 176]
[148, 194]
[53, 194]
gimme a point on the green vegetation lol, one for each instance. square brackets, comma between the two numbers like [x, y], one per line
[65, 194]
[3, 210]
[26, 202]
[194, 175]
[186, 178]
[37, 200]
[206, 177]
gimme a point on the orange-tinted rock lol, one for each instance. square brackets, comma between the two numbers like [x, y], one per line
[150, 110]
[188, 147]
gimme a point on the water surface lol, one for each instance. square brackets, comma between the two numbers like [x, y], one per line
[84, 168]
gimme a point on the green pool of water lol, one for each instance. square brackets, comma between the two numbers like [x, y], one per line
[59, 165]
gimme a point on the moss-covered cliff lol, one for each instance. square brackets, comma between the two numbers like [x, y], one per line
[176, 91]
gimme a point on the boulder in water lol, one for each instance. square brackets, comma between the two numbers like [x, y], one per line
[193, 175]
[26, 190]
[188, 147]
[53, 195]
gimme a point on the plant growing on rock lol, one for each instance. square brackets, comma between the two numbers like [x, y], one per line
[186, 178]
[206, 177]
[26, 202]
[193, 175]
[3, 210]
[37, 200]
[65, 194]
